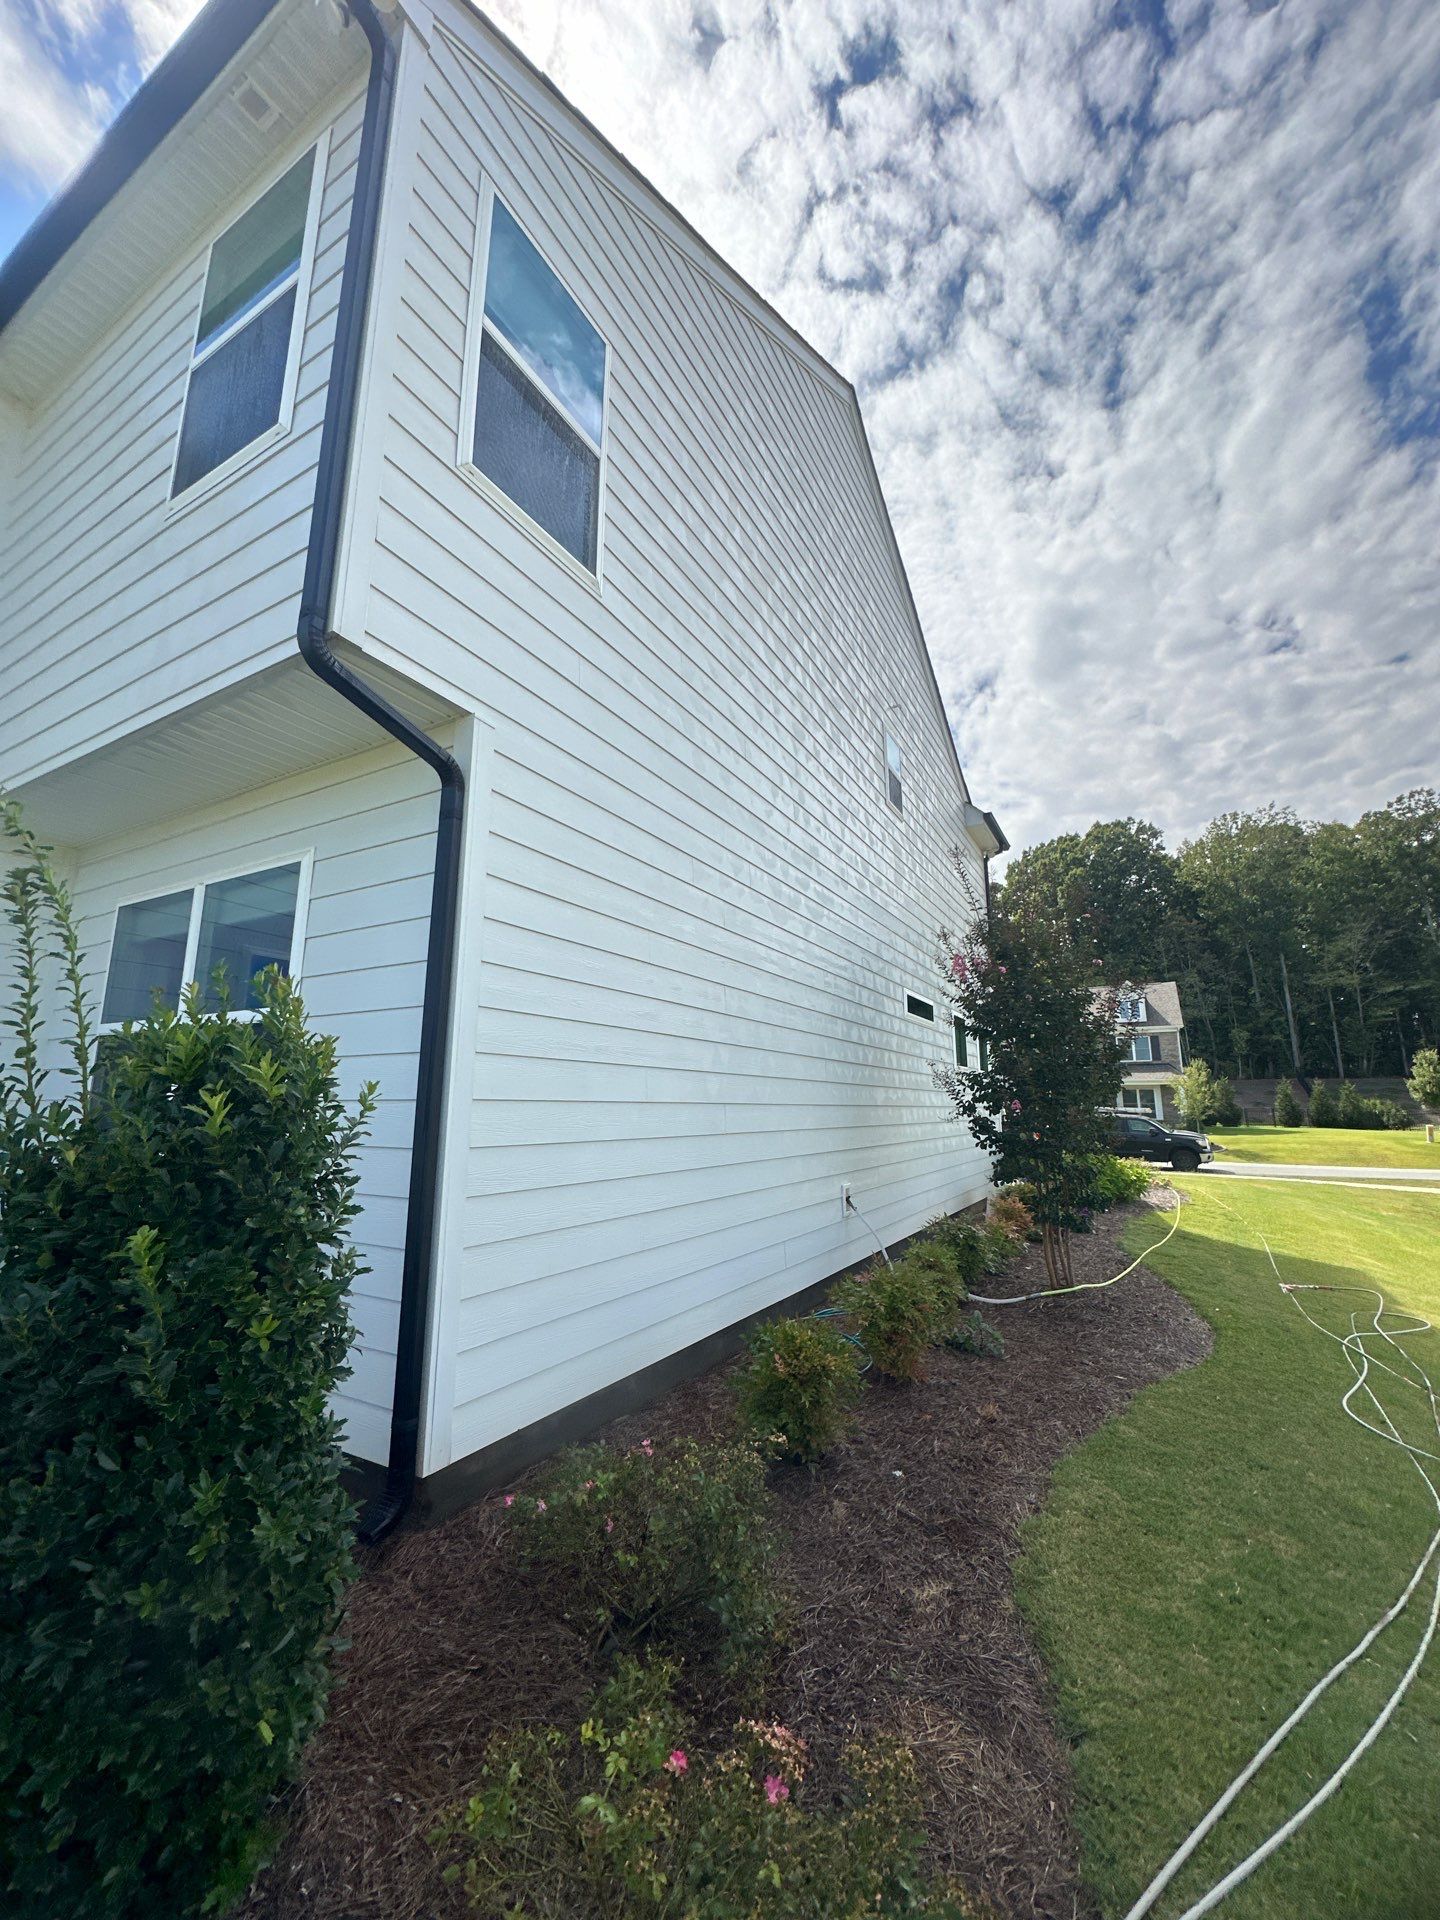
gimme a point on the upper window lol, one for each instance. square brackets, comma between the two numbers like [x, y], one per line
[539, 393]
[244, 924]
[921, 1009]
[894, 774]
[1130, 1006]
[1144, 1046]
[242, 367]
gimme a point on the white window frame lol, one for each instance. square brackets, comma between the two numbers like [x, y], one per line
[306, 863]
[304, 275]
[475, 327]
[910, 1012]
[959, 1032]
[888, 740]
[1132, 1101]
[1151, 1043]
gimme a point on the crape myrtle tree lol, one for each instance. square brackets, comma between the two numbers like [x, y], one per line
[1046, 1058]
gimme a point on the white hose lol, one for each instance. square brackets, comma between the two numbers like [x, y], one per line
[1360, 1363]
[1083, 1286]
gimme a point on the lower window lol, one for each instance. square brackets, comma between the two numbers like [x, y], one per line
[243, 924]
[1140, 1100]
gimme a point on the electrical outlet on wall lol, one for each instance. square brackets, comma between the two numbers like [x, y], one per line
[846, 1203]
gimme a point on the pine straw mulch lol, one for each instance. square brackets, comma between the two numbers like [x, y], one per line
[898, 1555]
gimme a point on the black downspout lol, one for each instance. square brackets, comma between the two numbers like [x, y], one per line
[316, 636]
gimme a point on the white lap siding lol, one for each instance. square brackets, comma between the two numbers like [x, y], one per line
[371, 825]
[700, 914]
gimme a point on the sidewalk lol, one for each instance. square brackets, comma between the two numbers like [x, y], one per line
[1411, 1179]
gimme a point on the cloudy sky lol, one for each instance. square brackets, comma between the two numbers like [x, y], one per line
[1143, 303]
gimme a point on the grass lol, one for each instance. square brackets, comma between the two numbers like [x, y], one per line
[1203, 1559]
[1328, 1146]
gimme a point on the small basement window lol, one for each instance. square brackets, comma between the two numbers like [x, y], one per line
[922, 1009]
[539, 393]
[894, 774]
[246, 922]
[243, 365]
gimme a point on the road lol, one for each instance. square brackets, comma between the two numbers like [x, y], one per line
[1406, 1179]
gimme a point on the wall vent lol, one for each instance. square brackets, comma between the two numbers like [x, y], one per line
[255, 105]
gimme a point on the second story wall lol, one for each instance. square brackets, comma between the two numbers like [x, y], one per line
[117, 605]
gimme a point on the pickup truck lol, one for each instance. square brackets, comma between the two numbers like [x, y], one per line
[1137, 1137]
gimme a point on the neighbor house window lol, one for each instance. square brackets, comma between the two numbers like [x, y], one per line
[243, 364]
[539, 393]
[244, 923]
[894, 772]
[962, 1046]
[1144, 1046]
[1138, 1100]
[1130, 1006]
[922, 1009]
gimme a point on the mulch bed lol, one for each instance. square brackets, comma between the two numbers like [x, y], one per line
[898, 1553]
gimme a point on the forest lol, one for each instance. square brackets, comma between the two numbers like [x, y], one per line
[1307, 947]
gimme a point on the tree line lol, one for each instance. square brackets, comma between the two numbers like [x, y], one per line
[1306, 947]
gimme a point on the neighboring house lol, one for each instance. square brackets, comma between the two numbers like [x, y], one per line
[369, 429]
[1151, 1020]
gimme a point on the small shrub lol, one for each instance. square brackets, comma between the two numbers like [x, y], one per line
[1118, 1181]
[897, 1312]
[799, 1390]
[962, 1242]
[174, 1538]
[997, 1249]
[627, 1817]
[936, 1262]
[974, 1334]
[669, 1543]
[1288, 1111]
[1009, 1213]
[1324, 1107]
[1392, 1115]
[1424, 1081]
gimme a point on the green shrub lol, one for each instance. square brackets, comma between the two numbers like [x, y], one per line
[974, 1334]
[799, 1389]
[897, 1312]
[1118, 1180]
[1391, 1115]
[1288, 1112]
[1354, 1110]
[627, 1817]
[1424, 1082]
[671, 1544]
[174, 1540]
[1324, 1107]
[1009, 1215]
[997, 1249]
[962, 1242]
[933, 1261]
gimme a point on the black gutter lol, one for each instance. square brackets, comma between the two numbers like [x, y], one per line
[316, 636]
[192, 64]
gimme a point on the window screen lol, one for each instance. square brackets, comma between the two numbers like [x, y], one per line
[540, 399]
[147, 956]
[243, 343]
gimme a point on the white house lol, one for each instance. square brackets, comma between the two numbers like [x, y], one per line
[423, 562]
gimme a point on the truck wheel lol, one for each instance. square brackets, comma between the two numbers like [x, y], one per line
[1185, 1160]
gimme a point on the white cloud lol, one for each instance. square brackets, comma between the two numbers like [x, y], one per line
[47, 124]
[1105, 301]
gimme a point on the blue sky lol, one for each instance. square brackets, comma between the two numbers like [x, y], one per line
[1143, 304]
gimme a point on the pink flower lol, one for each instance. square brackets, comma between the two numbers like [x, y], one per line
[589, 1484]
[540, 1506]
[647, 1448]
[1004, 969]
[509, 1499]
[677, 1763]
[609, 1523]
[1014, 1106]
[959, 968]
[775, 1789]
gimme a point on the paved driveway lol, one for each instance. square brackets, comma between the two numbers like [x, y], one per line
[1416, 1179]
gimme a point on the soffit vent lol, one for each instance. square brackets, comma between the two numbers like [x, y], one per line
[255, 105]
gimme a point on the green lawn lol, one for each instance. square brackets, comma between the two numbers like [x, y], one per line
[1327, 1146]
[1204, 1558]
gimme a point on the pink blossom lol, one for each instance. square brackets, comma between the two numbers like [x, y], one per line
[775, 1789]
[540, 1506]
[609, 1523]
[589, 1484]
[1014, 1106]
[647, 1448]
[959, 968]
[509, 1500]
[1004, 969]
[677, 1763]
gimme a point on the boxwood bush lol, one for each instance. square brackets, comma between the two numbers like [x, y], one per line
[798, 1390]
[897, 1312]
[174, 1541]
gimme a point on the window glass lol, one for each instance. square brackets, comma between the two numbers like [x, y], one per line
[894, 785]
[236, 389]
[254, 258]
[148, 954]
[246, 925]
[922, 1009]
[962, 1046]
[533, 454]
[544, 325]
